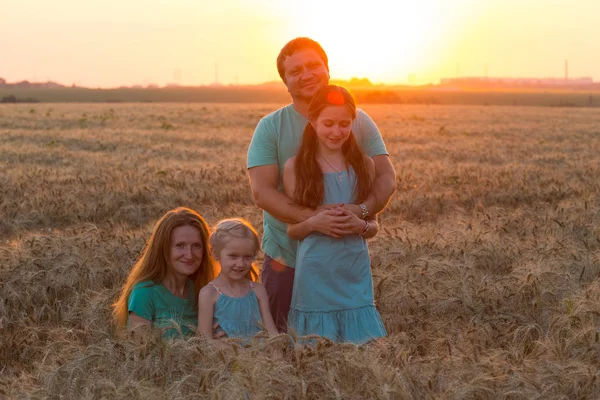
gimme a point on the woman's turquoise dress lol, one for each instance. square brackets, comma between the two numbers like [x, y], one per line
[239, 317]
[333, 286]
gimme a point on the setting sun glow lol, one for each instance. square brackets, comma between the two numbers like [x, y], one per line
[198, 42]
[382, 41]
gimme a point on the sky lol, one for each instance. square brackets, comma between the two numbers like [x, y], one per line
[111, 43]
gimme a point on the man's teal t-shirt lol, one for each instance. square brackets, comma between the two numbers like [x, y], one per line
[276, 139]
[154, 302]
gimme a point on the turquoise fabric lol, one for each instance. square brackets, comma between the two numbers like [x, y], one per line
[154, 302]
[276, 139]
[333, 286]
[239, 317]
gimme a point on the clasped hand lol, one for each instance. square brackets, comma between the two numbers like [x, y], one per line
[336, 221]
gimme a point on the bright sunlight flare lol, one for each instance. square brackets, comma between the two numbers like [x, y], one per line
[379, 39]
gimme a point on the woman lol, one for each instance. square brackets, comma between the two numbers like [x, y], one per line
[163, 286]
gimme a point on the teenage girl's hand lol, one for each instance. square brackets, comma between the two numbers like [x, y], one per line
[331, 222]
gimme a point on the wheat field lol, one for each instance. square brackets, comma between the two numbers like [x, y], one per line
[486, 269]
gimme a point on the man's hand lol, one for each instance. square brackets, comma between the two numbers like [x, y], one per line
[354, 209]
[328, 207]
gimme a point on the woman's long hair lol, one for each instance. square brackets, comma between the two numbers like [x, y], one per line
[310, 190]
[153, 264]
[232, 228]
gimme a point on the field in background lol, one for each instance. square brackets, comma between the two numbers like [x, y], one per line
[486, 269]
[276, 93]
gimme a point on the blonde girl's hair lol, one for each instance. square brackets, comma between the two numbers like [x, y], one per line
[233, 228]
[153, 264]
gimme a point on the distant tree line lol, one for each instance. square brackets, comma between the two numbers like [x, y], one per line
[30, 85]
[13, 99]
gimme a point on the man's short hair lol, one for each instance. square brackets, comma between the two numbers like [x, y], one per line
[298, 44]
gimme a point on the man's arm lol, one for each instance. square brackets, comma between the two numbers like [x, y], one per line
[383, 187]
[263, 182]
[372, 144]
[263, 171]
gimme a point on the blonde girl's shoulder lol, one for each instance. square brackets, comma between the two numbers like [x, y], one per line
[208, 294]
[257, 285]
[259, 289]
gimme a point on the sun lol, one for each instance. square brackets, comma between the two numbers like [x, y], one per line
[377, 39]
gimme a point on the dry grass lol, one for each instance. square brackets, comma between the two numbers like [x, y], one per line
[486, 270]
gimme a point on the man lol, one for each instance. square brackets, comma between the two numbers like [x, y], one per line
[303, 67]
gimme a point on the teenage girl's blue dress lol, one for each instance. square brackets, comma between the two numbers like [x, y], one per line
[239, 317]
[333, 286]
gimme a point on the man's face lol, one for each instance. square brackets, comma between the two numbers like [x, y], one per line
[305, 74]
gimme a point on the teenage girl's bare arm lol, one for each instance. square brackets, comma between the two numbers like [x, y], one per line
[263, 305]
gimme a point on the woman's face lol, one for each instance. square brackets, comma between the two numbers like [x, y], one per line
[333, 127]
[186, 250]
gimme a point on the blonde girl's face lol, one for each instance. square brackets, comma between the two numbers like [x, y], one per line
[236, 257]
[333, 127]
[186, 250]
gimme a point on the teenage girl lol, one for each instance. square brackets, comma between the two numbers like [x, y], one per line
[333, 285]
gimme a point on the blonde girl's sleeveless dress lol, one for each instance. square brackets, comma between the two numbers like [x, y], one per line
[239, 317]
[333, 284]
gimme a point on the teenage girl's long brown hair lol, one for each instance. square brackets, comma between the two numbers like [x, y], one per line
[153, 264]
[310, 190]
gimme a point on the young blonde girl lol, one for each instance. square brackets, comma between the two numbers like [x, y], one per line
[234, 300]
